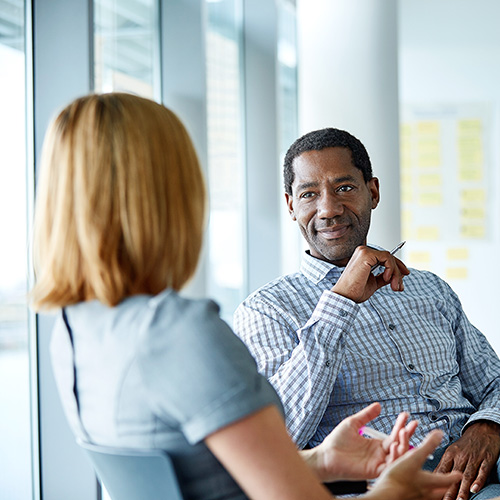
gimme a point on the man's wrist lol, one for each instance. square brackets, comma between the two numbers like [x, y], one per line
[487, 425]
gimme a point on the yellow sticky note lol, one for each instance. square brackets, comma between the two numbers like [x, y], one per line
[470, 173]
[406, 194]
[472, 195]
[429, 180]
[459, 253]
[472, 231]
[405, 156]
[407, 233]
[406, 188]
[471, 126]
[406, 224]
[428, 233]
[429, 152]
[406, 217]
[471, 212]
[419, 257]
[468, 143]
[456, 273]
[427, 199]
[405, 179]
[405, 131]
[428, 127]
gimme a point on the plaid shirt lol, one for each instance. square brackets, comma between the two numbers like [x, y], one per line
[328, 357]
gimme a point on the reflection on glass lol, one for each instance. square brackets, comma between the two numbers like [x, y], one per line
[127, 51]
[126, 47]
[15, 425]
[226, 232]
[287, 75]
[293, 242]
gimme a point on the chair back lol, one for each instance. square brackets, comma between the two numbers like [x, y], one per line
[129, 474]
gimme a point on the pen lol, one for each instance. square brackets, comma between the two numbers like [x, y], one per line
[392, 252]
[369, 432]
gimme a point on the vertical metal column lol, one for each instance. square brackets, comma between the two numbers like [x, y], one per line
[62, 36]
[261, 134]
[348, 78]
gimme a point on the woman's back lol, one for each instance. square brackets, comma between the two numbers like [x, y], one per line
[158, 372]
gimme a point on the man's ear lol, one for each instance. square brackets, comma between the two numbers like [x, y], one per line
[374, 188]
[289, 202]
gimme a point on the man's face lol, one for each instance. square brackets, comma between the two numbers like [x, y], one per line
[332, 203]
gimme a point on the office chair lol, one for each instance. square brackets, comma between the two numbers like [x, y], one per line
[129, 474]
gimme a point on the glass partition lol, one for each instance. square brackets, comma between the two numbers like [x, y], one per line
[127, 51]
[293, 243]
[15, 422]
[126, 47]
[226, 170]
[287, 75]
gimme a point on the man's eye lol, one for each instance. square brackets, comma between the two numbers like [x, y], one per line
[308, 194]
[344, 189]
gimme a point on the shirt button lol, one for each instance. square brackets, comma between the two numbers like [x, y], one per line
[391, 326]
[343, 313]
[411, 366]
[328, 363]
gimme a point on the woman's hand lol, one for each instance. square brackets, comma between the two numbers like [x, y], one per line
[405, 479]
[345, 455]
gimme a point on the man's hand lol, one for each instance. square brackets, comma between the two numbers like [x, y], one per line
[358, 282]
[345, 455]
[475, 454]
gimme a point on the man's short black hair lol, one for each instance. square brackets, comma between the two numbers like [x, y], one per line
[326, 138]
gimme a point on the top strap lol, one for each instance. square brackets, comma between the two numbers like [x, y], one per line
[75, 384]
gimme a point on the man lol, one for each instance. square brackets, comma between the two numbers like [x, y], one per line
[338, 335]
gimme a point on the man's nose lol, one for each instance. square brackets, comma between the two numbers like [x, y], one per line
[329, 206]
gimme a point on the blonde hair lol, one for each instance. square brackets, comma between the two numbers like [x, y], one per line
[120, 203]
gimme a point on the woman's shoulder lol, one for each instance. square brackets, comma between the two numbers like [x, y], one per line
[196, 371]
[169, 309]
[175, 324]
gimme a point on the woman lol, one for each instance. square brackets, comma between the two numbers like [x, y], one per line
[118, 230]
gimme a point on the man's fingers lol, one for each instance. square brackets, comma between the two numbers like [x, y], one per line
[453, 478]
[445, 464]
[482, 476]
[437, 494]
[402, 267]
[474, 478]
[392, 275]
[451, 493]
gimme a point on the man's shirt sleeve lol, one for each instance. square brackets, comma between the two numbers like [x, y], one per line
[301, 361]
[479, 365]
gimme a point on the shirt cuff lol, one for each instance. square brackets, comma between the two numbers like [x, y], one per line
[493, 415]
[335, 309]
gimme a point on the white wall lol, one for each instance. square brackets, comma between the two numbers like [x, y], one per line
[348, 79]
[361, 62]
[449, 52]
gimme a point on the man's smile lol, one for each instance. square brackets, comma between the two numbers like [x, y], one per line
[333, 232]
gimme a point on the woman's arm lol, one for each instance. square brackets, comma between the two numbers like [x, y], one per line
[262, 458]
